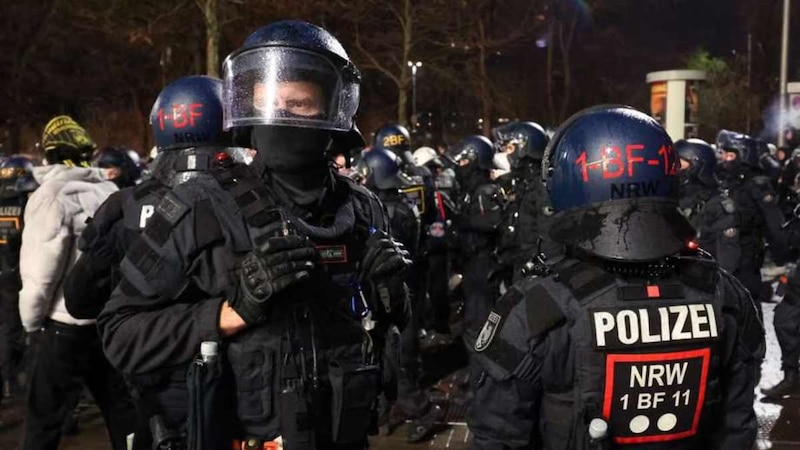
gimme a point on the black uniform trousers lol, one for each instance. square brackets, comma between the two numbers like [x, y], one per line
[436, 283]
[69, 358]
[12, 336]
[787, 323]
[479, 295]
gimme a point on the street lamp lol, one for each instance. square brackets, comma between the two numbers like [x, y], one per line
[414, 65]
[784, 65]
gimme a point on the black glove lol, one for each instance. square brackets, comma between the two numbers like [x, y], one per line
[382, 273]
[271, 268]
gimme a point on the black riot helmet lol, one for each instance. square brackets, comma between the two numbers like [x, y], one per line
[611, 174]
[66, 142]
[283, 56]
[188, 113]
[478, 150]
[745, 147]
[16, 177]
[701, 158]
[384, 169]
[186, 119]
[396, 139]
[120, 159]
[767, 161]
[293, 89]
[528, 138]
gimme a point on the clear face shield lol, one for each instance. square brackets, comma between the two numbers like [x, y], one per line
[290, 87]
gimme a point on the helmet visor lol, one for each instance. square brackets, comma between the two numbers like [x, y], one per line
[285, 86]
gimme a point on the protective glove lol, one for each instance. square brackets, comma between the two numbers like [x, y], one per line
[270, 269]
[381, 275]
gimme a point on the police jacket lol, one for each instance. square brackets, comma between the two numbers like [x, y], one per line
[713, 213]
[111, 232]
[524, 231]
[403, 218]
[55, 217]
[759, 218]
[176, 277]
[481, 217]
[667, 363]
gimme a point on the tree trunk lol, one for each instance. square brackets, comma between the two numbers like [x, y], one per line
[485, 98]
[405, 79]
[566, 46]
[551, 105]
[212, 37]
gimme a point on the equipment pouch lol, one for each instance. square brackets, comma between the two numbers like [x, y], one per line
[355, 387]
[296, 424]
[209, 403]
[253, 368]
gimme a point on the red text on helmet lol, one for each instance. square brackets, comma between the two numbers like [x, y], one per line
[181, 115]
[614, 163]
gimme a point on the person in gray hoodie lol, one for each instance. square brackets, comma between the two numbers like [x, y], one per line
[69, 354]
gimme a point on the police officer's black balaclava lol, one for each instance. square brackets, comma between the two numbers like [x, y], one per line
[471, 176]
[731, 171]
[295, 158]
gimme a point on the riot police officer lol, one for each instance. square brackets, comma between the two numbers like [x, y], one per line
[483, 204]
[186, 121]
[710, 210]
[403, 354]
[524, 233]
[436, 245]
[280, 277]
[16, 182]
[396, 139]
[630, 341]
[758, 214]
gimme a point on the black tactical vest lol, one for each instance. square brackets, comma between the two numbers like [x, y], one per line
[645, 357]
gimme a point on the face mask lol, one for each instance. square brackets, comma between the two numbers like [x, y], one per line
[291, 149]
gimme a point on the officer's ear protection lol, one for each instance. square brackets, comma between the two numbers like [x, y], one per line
[548, 151]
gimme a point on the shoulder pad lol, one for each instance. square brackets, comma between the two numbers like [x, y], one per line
[367, 201]
[526, 313]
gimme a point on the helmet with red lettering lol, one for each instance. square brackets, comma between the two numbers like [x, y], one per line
[611, 173]
[188, 113]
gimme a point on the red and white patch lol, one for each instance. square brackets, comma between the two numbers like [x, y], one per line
[655, 397]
